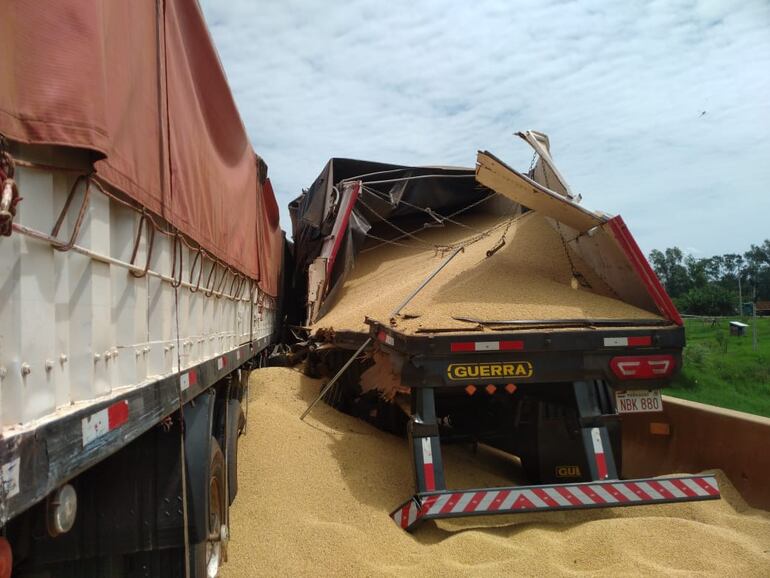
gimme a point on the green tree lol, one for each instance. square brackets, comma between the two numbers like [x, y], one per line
[732, 263]
[697, 275]
[710, 299]
[670, 268]
[757, 269]
[684, 276]
[713, 267]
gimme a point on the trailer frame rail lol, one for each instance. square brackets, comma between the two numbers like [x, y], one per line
[43, 456]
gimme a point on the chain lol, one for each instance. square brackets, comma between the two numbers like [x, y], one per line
[501, 242]
[577, 275]
[532, 163]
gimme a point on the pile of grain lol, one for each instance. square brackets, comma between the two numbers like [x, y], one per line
[531, 277]
[314, 500]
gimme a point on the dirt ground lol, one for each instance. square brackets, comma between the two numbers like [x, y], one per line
[314, 499]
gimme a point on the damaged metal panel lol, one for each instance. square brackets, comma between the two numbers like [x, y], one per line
[495, 174]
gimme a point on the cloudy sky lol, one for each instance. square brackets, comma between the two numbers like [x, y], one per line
[658, 111]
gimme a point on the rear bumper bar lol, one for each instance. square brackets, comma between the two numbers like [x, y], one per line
[578, 496]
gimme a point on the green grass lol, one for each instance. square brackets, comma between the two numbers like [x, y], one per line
[723, 370]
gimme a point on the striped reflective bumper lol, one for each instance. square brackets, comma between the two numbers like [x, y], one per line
[556, 497]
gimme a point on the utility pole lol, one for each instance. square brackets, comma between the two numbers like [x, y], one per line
[740, 296]
[754, 319]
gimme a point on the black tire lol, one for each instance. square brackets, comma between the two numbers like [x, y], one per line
[207, 557]
[235, 424]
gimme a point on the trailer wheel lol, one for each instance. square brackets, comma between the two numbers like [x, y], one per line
[236, 423]
[208, 556]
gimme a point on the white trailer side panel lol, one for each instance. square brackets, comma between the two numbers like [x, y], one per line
[77, 325]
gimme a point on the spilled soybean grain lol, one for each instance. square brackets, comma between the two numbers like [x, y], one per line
[531, 277]
[314, 499]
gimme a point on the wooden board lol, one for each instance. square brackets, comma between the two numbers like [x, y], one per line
[496, 175]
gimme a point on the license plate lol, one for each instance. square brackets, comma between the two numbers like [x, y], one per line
[638, 401]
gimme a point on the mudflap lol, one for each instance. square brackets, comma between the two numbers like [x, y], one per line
[558, 441]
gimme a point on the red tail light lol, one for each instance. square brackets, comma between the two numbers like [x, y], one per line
[643, 366]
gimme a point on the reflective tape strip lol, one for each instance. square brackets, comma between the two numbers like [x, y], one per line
[523, 502]
[188, 379]
[98, 424]
[581, 496]
[438, 504]
[695, 487]
[427, 465]
[462, 502]
[615, 493]
[385, 338]
[474, 502]
[604, 494]
[221, 362]
[601, 461]
[427, 505]
[569, 496]
[710, 488]
[636, 341]
[406, 515]
[676, 492]
[535, 499]
[592, 495]
[450, 504]
[638, 491]
[412, 514]
[545, 497]
[686, 490]
[649, 490]
[509, 500]
[459, 346]
[488, 499]
[658, 487]
[556, 496]
[427, 451]
[498, 500]
[628, 494]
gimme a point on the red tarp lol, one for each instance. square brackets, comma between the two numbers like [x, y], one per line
[140, 84]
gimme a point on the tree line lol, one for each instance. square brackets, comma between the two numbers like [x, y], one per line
[711, 285]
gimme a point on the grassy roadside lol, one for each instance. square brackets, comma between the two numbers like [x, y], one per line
[723, 370]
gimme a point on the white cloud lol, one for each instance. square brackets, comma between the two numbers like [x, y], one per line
[620, 87]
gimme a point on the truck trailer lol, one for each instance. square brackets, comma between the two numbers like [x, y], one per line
[487, 306]
[140, 272]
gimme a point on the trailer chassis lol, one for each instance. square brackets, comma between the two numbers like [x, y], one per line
[584, 357]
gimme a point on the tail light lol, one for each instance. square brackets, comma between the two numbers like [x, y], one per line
[643, 366]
